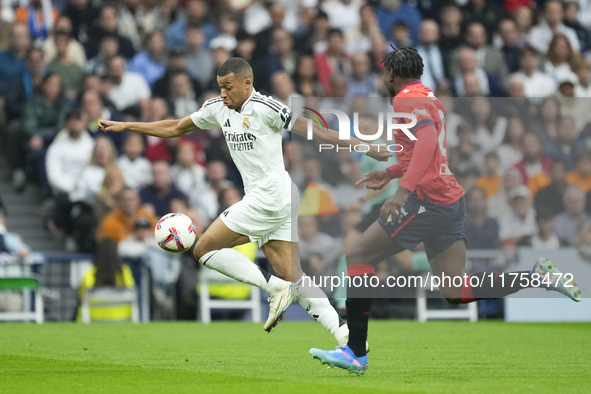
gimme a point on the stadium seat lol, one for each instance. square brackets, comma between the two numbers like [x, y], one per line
[206, 303]
[110, 305]
[25, 284]
[469, 311]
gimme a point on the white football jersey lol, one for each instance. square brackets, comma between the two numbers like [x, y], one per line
[254, 137]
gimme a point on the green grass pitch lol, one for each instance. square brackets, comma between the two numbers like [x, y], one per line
[405, 357]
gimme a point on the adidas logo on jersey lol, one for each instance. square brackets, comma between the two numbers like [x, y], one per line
[421, 210]
[227, 124]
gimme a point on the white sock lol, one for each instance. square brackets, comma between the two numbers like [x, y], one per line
[234, 264]
[316, 303]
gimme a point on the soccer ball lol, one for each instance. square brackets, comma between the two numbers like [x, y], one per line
[175, 233]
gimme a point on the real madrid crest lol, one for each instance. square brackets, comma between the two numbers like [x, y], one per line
[246, 124]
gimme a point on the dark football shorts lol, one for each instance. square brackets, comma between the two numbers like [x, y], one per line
[437, 226]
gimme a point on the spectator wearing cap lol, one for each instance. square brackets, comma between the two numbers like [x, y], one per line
[546, 238]
[561, 59]
[535, 167]
[151, 63]
[550, 197]
[389, 12]
[162, 191]
[195, 12]
[541, 35]
[482, 232]
[564, 147]
[120, 223]
[333, 61]
[536, 83]
[581, 175]
[199, 60]
[521, 221]
[434, 70]
[568, 223]
[487, 58]
[128, 89]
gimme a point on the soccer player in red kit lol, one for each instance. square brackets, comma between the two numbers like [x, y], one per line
[429, 207]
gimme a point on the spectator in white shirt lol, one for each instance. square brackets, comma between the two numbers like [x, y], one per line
[561, 59]
[189, 177]
[359, 39]
[66, 159]
[136, 169]
[67, 156]
[488, 127]
[91, 178]
[540, 35]
[583, 88]
[521, 221]
[343, 14]
[535, 82]
[128, 88]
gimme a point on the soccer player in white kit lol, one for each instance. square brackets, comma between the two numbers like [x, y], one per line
[252, 125]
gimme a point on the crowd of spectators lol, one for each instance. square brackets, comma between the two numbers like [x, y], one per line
[512, 76]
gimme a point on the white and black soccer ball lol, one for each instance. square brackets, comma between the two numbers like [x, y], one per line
[175, 233]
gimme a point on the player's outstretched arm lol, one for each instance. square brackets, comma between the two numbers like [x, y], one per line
[164, 128]
[376, 151]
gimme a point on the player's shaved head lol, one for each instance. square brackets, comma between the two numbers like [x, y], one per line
[238, 66]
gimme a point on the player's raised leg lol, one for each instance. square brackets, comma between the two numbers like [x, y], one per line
[213, 250]
[285, 259]
[485, 285]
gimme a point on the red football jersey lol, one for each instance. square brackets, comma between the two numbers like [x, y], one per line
[437, 184]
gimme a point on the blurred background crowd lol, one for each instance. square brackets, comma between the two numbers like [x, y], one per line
[513, 76]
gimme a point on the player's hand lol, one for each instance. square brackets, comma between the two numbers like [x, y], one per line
[376, 180]
[379, 152]
[109, 125]
[393, 206]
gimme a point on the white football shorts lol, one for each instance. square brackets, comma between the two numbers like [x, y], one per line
[262, 225]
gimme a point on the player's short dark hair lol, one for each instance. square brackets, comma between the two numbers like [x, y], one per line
[236, 65]
[76, 113]
[404, 63]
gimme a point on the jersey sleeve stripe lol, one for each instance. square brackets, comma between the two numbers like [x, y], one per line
[265, 103]
[421, 124]
[270, 101]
